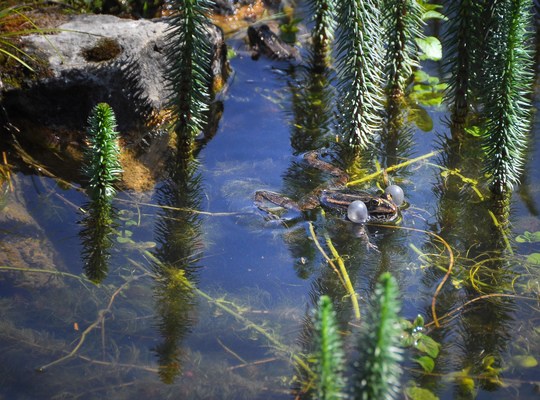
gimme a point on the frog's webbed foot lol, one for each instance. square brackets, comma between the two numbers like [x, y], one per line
[371, 246]
[361, 233]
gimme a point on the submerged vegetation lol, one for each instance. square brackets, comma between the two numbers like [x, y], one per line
[189, 299]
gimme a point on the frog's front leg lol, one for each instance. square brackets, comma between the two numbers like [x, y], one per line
[263, 197]
[361, 233]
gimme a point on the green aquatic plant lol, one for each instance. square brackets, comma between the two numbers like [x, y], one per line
[463, 46]
[506, 82]
[328, 355]
[102, 154]
[403, 25]
[379, 373]
[359, 66]
[324, 18]
[188, 68]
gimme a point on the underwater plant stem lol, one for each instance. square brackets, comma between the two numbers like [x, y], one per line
[448, 270]
[323, 253]
[341, 272]
[46, 271]
[503, 233]
[345, 274]
[483, 297]
[231, 352]
[190, 210]
[392, 168]
[101, 316]
[249, 324]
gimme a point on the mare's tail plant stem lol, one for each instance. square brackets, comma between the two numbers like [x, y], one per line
[403, 24]
[324, 17]
[188, 69]
[380, 354]
[328, 355]
[507, 80]
[102, 155]
[359, 66]
[463, 47]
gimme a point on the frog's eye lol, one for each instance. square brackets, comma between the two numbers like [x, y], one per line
[357, 212]
[396, 194]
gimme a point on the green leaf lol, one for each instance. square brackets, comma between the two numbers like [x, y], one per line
[431, 47]
[121, 239]
[421, 76]
[534, 258]
[427, 363]
[474, 131]
[432, 14]
[525, 361]
[428, 345]
[422, 119]
[416, 393]
[528, 237]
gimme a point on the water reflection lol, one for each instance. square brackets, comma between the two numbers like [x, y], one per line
[475, 342]
[178, 234]
[98, 227]
[312, 99]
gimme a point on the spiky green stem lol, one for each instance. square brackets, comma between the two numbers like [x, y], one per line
[102, 155]
[324, 17]
[360, 71]
[463, 43]
[188, 54]
[507, 81]
[379, 344]
[329, 358]
[403, 23]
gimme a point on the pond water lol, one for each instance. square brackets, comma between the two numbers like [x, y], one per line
[215, 304]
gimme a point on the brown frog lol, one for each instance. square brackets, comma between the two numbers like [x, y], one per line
[336, 195]
[263, 40]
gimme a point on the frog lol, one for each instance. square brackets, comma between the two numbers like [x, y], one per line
[263, 41]
[333, 195]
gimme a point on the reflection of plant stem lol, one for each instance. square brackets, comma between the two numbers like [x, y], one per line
[247, 323]
[392, 168]
[341, 272]
[448, 271]
[101, 316]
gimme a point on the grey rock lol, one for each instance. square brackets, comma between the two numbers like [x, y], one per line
[97, 58]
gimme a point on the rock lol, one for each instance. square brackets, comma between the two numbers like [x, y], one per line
[28, 249]
[98, 58]
[101, 58]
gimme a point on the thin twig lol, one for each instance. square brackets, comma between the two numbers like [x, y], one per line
[231, 352]
[101, 316]
[253, 363]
